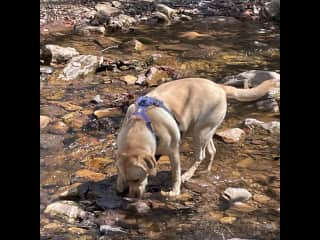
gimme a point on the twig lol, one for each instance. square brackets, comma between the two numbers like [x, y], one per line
[113, 46]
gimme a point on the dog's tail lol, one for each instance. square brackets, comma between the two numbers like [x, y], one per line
[248, 95]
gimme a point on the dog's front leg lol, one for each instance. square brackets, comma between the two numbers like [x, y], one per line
[176, 174]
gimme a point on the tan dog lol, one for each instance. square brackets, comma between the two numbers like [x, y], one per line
[199, 106]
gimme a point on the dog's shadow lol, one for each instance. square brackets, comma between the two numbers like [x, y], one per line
[102, 195]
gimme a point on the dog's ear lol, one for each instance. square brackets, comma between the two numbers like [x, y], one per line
[150, 164]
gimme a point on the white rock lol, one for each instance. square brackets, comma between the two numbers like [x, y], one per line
[61, 54]
[68, 210]
[80, 66]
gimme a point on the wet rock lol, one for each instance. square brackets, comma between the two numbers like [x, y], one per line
[192, 35]
[159, 17]
[260, 44]
[169, 12]
[107, 9]
[116, 4]
[68, 106]
[46, 69]
[45, 56]
[121, 22]
[52, 111]
[53, 227]
[141, 80]
[133, 45]
[77, 230]
[100, 19]
[104, 229]
[231, 135]
[58, 127]
[51, 142]
[76, 120]
[250, 78]
[54, 178]
[69, 192]
[153, 58]
[80, 66]
[227, 220]
[239, 209]
[109, 201]
[236, 194]
[97, 99]
[61, 54]
[185, 18]
[272, 9]
[261, 198]
[129, 79]
[87, 175]
[67, 210]
[156, 76]
[216, 215]
[87, 30]
[239, 239]
[273, 126]
[194, 187]
[245, 163]
[99, 163]
[268, 105]
[44, 121]
[108, 112]
[140, 207]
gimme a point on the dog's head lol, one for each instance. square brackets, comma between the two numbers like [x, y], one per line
[133, 172]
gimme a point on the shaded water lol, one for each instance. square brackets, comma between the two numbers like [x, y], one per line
[223, 47]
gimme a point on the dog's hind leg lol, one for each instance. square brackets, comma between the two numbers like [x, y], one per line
[199, 154]
[211, 152]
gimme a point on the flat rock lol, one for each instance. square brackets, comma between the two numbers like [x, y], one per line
[140, 207]
[156, 76]
[231, 135]
[227, 220]
[88, 175]
[129, 79]
[98, 163]
[236, 194]
[107, 9]
[250, 78]
[51, 141]
[79, 66]
[52, 111]
[273, 126]
[58, 127]
[133, 45]
[122, 22]
[68, 210]
[75, 120]
[46, 69]
[87, 30]
[61, 54]
[108, 112]
[261, 198]
[44, 121]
